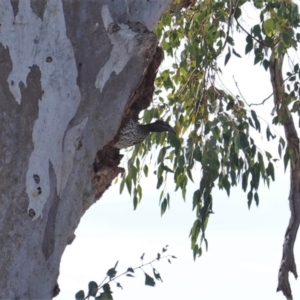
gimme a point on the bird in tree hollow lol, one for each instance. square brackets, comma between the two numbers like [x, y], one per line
[134, 133]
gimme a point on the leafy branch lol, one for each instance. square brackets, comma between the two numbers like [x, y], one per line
[252, 36]
[94, 288]
[213, 125]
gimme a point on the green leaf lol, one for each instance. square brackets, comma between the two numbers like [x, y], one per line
[256, 198]
[104, 296]
[80, 295]
[159, 182]
[237, 13]
[128, 184]
[119, 285]
[93, 288]
[266, 64]
[111, 273]
[250, 197]
[163, 206]
[282, 142]
[281, 49]
[268, 26]
[261, 163]
[230, 40]
[279, 150]
[149, 280]
[270, 171]
[243, 140]
[145, 169]
[245, 180]
[197, 251]
[196, 198]
[139, 191]
[255, 176]
[258, 57]
[161, 154]
[269, 156]
[269, 134]
[261, 16]
[122, 185]
[254, 117]
[235, 53]
[106, 288]
[233, 177]
[167, 169]
[197, 155]
[250, 122]
[227, 57]
[135, 202]
[256, 30]
[130, 270]
[226, 185]
[249, 45]
[189, 173]
[286, 159]
[116, 264]
[157, 275]
[286, 39]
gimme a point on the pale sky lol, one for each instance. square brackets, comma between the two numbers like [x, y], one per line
[242, 261]
[245, 246]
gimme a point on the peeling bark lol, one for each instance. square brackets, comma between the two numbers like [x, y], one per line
[288, 261]
[71, 74]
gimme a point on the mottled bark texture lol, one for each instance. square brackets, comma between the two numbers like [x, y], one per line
[288, 261]
[71, 73]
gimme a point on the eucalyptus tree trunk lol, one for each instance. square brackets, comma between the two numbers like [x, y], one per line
[288, 260]
[70, 73]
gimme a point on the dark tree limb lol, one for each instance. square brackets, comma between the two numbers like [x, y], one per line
[288, 260]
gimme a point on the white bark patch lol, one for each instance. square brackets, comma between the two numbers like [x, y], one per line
[124, 45]
[72, 143]
[18, 34]
[31, 41]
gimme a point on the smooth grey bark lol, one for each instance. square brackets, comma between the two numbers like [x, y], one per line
[69, 75]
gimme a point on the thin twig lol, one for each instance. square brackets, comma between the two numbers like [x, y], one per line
[252, 104]
[256, 104]
[139, 267]
[253, 37]
[237, 86]
[228, 28]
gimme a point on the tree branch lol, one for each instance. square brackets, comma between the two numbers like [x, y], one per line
[288, 261]
[251, 104]
[261, 103]
[253, 37]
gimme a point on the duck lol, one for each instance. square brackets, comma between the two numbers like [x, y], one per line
[134, 133]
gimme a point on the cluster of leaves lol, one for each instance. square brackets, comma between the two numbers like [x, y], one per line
[104, 289]
[213, 126]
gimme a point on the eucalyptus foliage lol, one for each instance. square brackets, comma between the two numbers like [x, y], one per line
[103, 290]
[213, 125]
